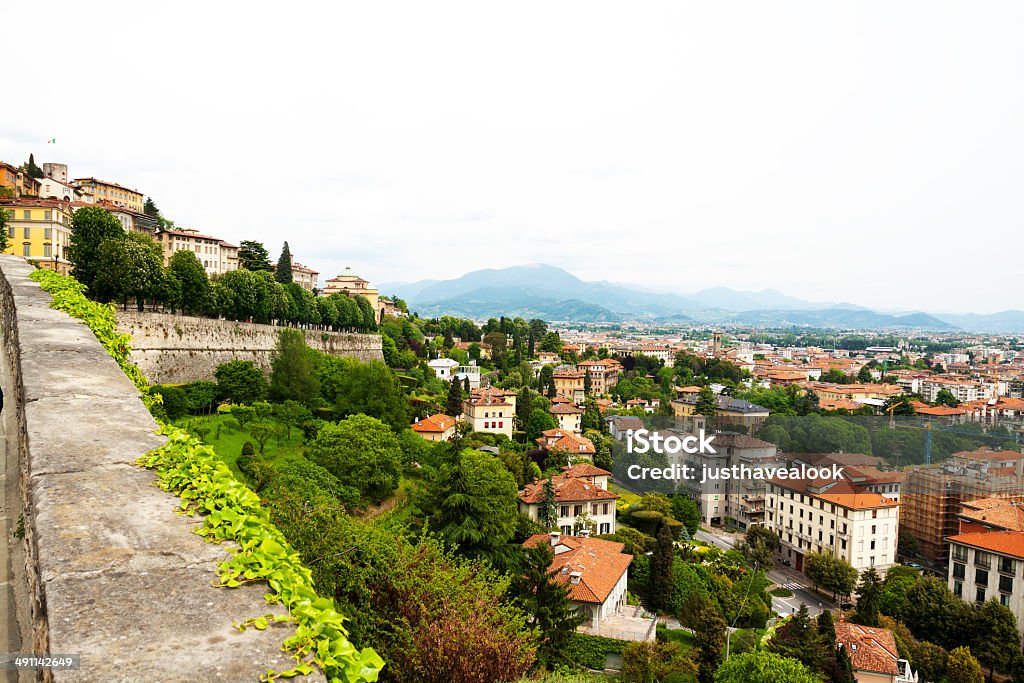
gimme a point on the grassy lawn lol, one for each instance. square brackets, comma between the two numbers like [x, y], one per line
[684, 638]
[781, 592]
[227, 442]
[628, 496]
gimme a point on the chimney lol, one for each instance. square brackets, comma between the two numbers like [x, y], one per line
[574, 578]
[584, 532]
[556, 536]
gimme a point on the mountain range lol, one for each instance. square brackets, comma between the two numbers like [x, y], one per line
[551, 293]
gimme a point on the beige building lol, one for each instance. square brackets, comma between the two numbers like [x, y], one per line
[987, 566]
[604, 374]
[350, 284]
[581, 495]
[570, 384]
[836, 516]
[488, 413]
[568, 416]
[96, 191]
[439, 427]
[228, 257]
[207, 249]
[304, 276]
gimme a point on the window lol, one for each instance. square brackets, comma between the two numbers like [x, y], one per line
[1006, 565]
[47, 233]
[47, 251]
[27, 233]
[10, 232]
[565, 511]
[981, 577]
[27, 215]
[979, 596]
[1004, 600]
[604, 509]
[577, 510]
[872, 545]
[47, 215]
[960, 553]
[982, 559]
[567, 530]
[874, 529]
[959, 570]
[958, 589]
[26, 250]
[1006, 584]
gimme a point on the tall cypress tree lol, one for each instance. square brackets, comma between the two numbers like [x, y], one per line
[661, 569]
[453, 406]
[547, 602]
[547, 515]
[283, 274]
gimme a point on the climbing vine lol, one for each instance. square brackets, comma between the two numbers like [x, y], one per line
[191, 470]
[231, 512]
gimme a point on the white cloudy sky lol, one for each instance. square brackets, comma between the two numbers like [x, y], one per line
[870, 152]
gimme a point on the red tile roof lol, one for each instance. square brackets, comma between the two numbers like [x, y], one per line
[438, 423]
[584, 469]
[1002, 542]
[870, 649]
[600, 565]
[568, 489]
[559, 439]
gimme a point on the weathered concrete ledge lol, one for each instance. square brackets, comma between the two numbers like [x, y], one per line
[171, 349]
[110, 572]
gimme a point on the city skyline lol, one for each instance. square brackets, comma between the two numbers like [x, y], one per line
[873, 159]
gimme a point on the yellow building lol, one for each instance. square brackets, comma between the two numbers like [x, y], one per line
[350, 284]
[39, 230]
[101, 192]
[17, 181]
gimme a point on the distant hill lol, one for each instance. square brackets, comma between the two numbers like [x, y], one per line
[1002, 322]
[551, 293]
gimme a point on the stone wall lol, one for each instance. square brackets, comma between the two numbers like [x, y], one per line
[171, 349]
[102, 565]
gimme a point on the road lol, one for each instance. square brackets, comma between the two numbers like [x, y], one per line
[785, 577]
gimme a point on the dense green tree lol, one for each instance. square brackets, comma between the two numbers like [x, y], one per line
[547, 515]
[175, 400]
[546, 601]
[453, 405]
[283, 272]
[371, 389]
[524, 407]
[362, 452]
[762, 666]
[800, 639]
[471, 502]
[759, 546]
[551, 342]
[709, 637]
[995, 640]
[869, 598]
[149, 208]
[291, 414]
[292, 377]
[239, 381]
[129, 266]
[253, 256]
[201, 396]
[963, 667]
[195, 284]
[90, 227]
[706, 404]
[685, 510]
[660, 591]
[945, 397]
[830, 572]
[32, 169]
[540, 421]
[933, 613]
[655, 662]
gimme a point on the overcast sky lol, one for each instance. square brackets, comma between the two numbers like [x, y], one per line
[870, 152]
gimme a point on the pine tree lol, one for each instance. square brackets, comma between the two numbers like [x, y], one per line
[453, 406]
[31, 168]
[465, 386]
[547, 602]
[283, 274]
[150, 209]
[548, 513]
[661, 569]
[552, 391]
[869, 596]
[588, 384]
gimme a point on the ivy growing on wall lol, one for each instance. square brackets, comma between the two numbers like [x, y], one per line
[231, 512]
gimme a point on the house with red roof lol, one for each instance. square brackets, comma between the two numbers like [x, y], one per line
[593, 570]
[438, 427]
[577, 447]
[873, 654]
[580, 494]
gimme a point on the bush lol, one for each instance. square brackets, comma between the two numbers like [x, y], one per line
[646, 521]
[175, 400]
[590, 651]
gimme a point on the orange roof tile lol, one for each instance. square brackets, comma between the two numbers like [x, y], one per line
[1002, 542]
[600, 565]
[870, 649]
[433, 424]
[567, 490]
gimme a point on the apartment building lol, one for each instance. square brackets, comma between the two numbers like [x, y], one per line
[304, 276]
[581, 494]
[988, 566]
[965, 391]
[38, 230]
[570, 384]
[729, 411]
[836, 516]
[95, 191]
[207, 248]
[604, 374]
[487, 413]
[933, 495]
[577, 448]
[568, 415]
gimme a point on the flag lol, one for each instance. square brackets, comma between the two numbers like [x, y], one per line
[52, 141]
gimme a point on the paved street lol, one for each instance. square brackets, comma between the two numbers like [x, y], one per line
[784, 576]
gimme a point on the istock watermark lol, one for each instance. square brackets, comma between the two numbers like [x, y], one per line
[738, 472]
[642, 441]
